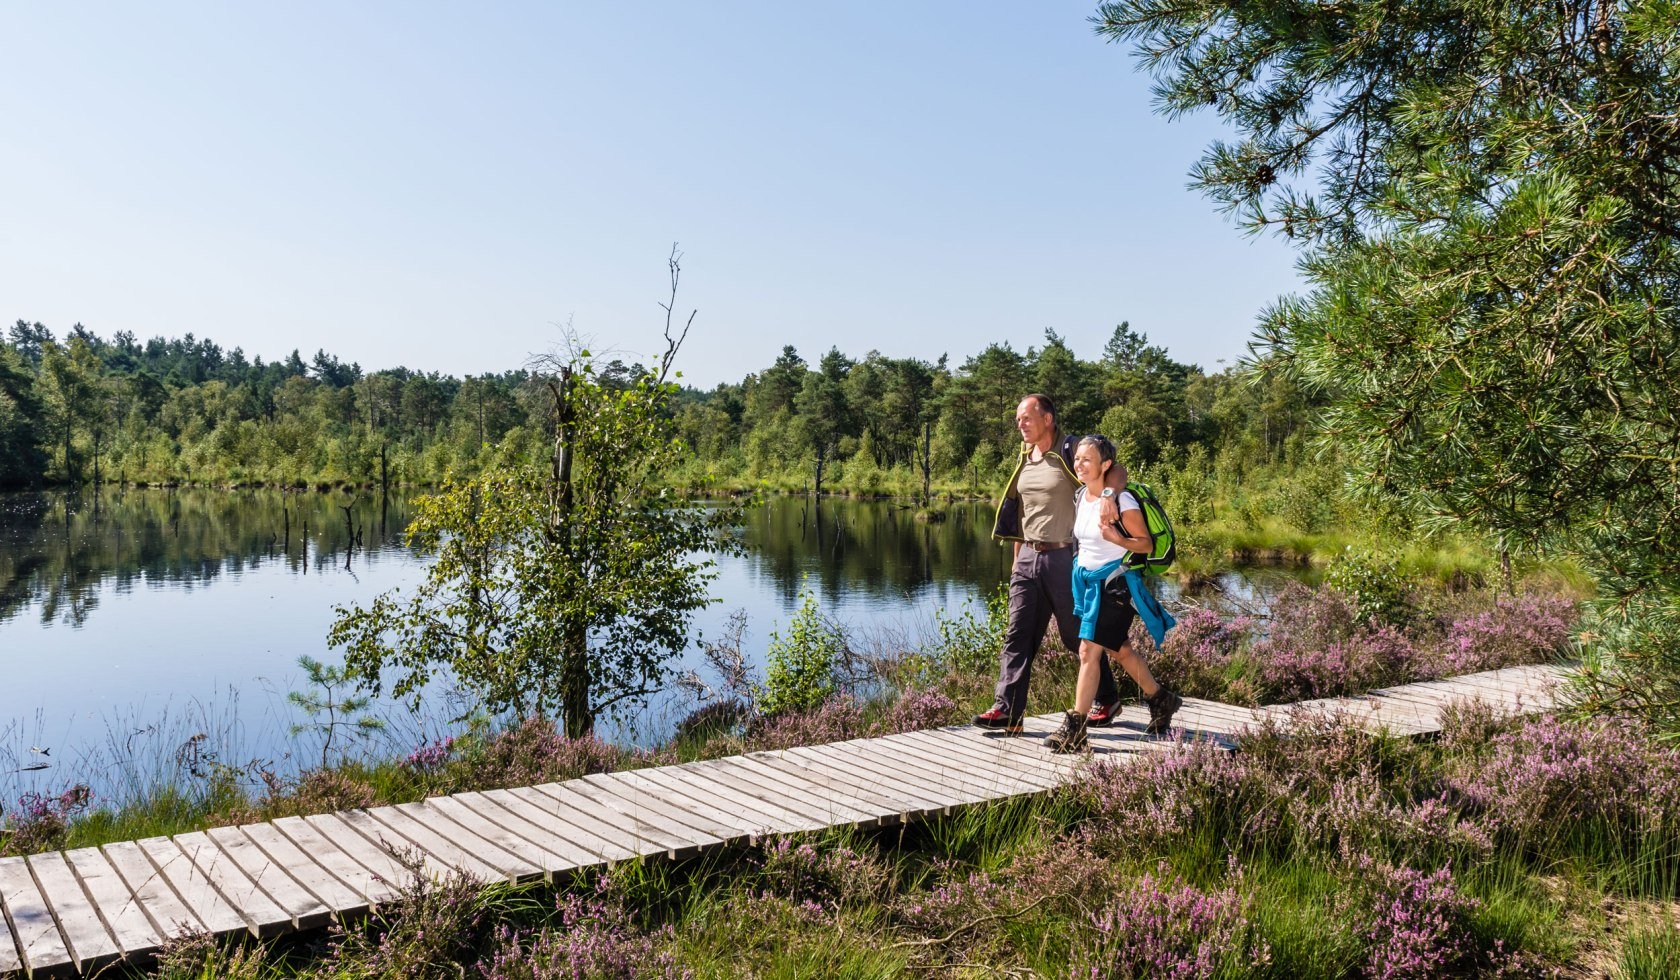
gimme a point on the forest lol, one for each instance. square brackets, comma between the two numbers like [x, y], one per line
[85, 409]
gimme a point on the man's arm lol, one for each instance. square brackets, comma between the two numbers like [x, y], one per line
[1108, 509]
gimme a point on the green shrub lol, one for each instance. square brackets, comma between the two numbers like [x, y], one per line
[1374, 582]
[801, 667]
[969, 642]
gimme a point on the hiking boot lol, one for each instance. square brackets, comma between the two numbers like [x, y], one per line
[998, 718]
[1069, 738]
[1161, 710]
[1102, 715]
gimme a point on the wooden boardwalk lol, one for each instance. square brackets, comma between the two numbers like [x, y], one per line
[76, 911]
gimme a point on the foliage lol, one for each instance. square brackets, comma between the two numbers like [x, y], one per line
[1373, 582]
[1485, 191]
[1650, 952]
[329, 711]
[801, 667]
[565, 589]
[41, 821]
[1161, 926]
[970, 641]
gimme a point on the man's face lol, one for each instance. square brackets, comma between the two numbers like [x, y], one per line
[1033, 422]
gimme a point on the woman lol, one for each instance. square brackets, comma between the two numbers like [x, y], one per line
[1101, 597]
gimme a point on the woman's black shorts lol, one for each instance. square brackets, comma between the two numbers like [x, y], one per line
[1115, 614]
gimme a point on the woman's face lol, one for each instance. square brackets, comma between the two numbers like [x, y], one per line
[1088, 465]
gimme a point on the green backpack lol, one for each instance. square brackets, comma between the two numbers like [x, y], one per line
[1160, 532]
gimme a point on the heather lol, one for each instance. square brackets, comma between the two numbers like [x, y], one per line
[1327, 642]
[1506, 847]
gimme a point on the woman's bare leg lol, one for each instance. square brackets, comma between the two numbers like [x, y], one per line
[1135, 668]
[1090, 669]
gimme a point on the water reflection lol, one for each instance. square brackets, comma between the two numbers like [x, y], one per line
[61, 552]
[120, 607]
[876, 549]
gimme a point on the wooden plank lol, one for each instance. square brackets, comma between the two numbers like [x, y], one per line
[930, 755]
[1026, 754]
[11, 956]
[901, 769]
[38, 940]
[1365, 714]
[606, 815]
[1042, 773]
[391, 825]
[574, 812]
[543, 812]
[472, 822]
[259, 910]
[840, 807]
[1123, 746]
[1399, 718]
[855, 804]
[1026, 763]
[368, 868]
[508, 865]
[954, 780]
[355, 829]
[118, 907]
[886, 787]
[840, 773]
[640, 805]
[91, 943]
[679, 814]
[752, 783]
[565, 852]
[1460, 691]
[735, 819]
[1483, 685]
[314, 872]
[767, 816]
[1426, 715]
[1420, 698]
[898, 793]
[169, 915]
[1225, 718]
[196, 890]
[300, 906]
[848, 804]
[1428, 711]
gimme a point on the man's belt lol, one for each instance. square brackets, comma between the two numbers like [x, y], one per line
[1043, 546]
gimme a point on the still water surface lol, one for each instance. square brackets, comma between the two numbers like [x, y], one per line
[135, 615]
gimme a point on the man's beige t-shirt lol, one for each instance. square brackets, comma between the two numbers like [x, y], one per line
[1047, 502]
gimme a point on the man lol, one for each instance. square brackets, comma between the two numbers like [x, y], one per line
[1036, 514]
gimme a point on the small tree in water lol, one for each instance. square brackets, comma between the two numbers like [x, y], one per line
[561, 589]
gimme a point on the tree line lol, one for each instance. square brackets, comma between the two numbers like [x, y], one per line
[83, 408]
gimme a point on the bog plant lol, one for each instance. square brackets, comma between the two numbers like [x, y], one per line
[1373, 582]
[332, 712]
[802, 666]
[970, 641]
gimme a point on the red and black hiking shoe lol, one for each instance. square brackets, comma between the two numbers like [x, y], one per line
[1102, 715]
[998, 718]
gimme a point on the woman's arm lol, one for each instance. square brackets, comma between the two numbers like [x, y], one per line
[1132, 533]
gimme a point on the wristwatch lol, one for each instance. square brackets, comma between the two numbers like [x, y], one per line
[1107, 492]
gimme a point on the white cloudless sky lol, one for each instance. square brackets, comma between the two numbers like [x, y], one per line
[440, 185]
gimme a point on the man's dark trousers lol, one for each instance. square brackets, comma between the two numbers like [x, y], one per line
[1040, 586]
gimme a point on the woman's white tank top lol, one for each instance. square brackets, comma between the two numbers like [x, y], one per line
[1095, 551]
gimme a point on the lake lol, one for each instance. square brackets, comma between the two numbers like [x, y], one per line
[133, 619]
[141, 616]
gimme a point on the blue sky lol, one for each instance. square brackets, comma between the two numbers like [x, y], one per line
[442, 185]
